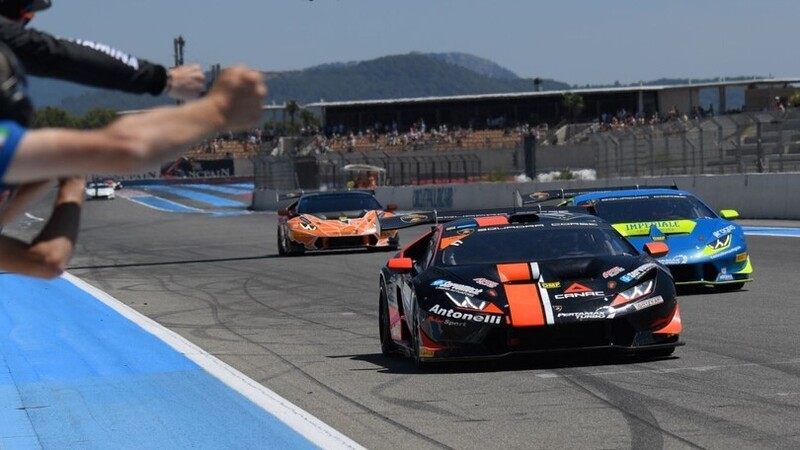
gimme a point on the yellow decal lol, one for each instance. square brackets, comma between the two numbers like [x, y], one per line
[553, 285]
[665, 226]
[748, 268]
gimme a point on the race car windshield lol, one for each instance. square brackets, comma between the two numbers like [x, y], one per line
[332, 203]
[512, 245]
[645, 209]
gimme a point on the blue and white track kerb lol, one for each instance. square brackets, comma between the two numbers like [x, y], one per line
[79, 369]
[203, 198]
[772, 231]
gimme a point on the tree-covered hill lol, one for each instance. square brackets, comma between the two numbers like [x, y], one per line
[399, 76]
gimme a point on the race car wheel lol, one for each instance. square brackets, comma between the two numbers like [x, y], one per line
[388, 347]
[281, 243]
[285, 247]
[394, 244]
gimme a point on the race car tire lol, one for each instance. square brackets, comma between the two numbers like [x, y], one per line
[394, 244]
[388, 347]
[281, 243]
[285, 248]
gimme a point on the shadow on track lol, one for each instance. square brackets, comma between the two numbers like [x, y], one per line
[171, 263]
[542, 362]
[219, 260]
[690, 290]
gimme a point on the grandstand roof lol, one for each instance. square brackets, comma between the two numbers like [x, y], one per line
[509, 95]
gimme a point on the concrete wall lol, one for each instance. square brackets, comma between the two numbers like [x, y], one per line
[755, 196]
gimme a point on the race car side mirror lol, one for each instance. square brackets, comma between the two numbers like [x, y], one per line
[400, 265]
[391, 207]
[656, 249]
[729, 214]
[283, 212]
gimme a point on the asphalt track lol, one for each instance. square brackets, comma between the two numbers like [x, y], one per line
[306, 327]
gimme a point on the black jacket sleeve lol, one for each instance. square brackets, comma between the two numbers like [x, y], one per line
[83, 62]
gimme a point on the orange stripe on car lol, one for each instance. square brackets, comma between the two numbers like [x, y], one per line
[448, 241]
[674, 326]
[514, 272]
[491, 221]
[525, 305]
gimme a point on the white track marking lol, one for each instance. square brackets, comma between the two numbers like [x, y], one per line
[299, 420]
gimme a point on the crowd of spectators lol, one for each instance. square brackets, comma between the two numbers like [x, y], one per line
[623, 119]
[420, 137]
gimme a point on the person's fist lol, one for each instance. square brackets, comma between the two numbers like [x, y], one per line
[239, 92]
[185, 82]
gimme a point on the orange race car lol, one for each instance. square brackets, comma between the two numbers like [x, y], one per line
[333, 220]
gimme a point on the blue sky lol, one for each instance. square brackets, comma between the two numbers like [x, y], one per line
[578, 42]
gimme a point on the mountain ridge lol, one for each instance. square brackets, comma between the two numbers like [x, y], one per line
[409, 75]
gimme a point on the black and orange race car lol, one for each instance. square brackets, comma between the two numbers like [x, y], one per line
[333, 220]
[489, 285]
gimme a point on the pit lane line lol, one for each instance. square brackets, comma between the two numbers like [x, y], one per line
[78, 366]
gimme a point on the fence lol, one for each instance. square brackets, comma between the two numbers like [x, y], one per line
[741, 143]
[327, 170]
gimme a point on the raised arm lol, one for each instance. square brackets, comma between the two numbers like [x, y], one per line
[138, 141]
[99, 65]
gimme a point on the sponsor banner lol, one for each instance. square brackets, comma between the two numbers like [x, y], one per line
[612, 272]
[637, 273]
[440, 197]
[486, 282]
[463, 289]
[723, 231]
[186, 168]
[583, 315]
[675, 260]
[492, 319]
[648, 302]
[577, 290]
[665, 226]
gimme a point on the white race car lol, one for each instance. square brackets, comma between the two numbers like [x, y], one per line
[99, 190]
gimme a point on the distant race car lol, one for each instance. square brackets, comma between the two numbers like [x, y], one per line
[114, 183]
[706, 248]
[490, 285]
[99, 190]
[333, 220]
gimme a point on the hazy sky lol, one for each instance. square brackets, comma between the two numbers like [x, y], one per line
[579, 42]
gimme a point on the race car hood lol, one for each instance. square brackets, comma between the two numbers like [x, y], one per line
[338, 215]
[336, 223]
[689, 241]
[538, 293]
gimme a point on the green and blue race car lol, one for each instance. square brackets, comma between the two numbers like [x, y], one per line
[706, 248]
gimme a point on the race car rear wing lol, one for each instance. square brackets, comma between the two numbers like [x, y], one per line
[537, 197]
[412, 219]
[297, 194]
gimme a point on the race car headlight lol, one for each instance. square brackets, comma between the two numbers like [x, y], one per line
[464, 301]
[638, 291]
[720, 243]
